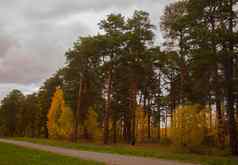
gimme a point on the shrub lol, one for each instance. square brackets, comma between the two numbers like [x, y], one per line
[189, 126]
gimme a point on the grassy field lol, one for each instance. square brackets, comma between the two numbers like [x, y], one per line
[12, 155]
[162, 152]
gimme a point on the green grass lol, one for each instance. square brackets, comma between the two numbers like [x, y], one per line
[13, 155]
[162, 152]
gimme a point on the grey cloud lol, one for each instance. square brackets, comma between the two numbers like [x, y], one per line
[62, 8]
[26, 89]
[39, 54]
[6, 42]
[34, 35]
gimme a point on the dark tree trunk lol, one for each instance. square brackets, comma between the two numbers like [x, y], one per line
[217, 89]
[149, 123]
[133, 105]
[230, 107]
[158, 108]
[127, 126]
[85, 133]
[220, 123]
[108, 108]
[158, 125]
[229, 70]
[172, 99]
[221, 132]
[114, 127]
[128, 129]
[165, 128]
[77, 112]
[210, 110]
[46, 134]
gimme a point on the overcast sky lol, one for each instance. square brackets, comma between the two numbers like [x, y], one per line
[34, 35]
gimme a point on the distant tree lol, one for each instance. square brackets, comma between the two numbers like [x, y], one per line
[12, 113]
[30, 117]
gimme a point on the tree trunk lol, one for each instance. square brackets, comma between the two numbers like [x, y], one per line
[128, 128]
[85, 133]
[165, 128]
[133, 105]
[210, 110]
[158, 118]
[228, 48]
[114, 127]
[220, 123]
[158, 108]
[158, 125]
[77, 113]
[149, 123]
[172, 99]
[230, 86]
[230, 108]
[46, 134]
[108, 107]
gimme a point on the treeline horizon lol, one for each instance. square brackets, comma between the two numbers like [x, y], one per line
[120, 86]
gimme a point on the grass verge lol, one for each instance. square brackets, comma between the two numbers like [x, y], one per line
[13, 155]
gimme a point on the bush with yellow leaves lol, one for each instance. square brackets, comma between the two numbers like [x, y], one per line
[141, 124]
[91, 125]
[189, 126]
[60, 117]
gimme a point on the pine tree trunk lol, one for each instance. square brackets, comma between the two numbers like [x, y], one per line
[158, 125]
[133, 105]
[165, 128]
[114, 128]
[108, 108]
[230, 87]
[210, 110]
[172, 100]
[149, 123]
[77, 112]
[220, 123]
[128, 128]
[159, 116]
[158, 109]
[221, 132]
[231, 110]
[46, 134]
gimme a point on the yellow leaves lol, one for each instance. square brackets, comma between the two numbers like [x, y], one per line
[189, 125]
[60, 117]
[141, 123]
[91, 124]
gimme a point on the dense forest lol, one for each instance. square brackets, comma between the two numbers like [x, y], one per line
[120, 86]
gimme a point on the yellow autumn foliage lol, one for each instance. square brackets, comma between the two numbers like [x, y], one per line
[189, 126]
[141, 124]
[91, 124]
[60, 117]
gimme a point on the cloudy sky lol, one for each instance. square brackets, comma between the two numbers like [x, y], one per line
[35, 34]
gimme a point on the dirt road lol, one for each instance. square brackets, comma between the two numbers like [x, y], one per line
[109, 159]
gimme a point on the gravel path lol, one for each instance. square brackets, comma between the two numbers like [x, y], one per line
[109, 159]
